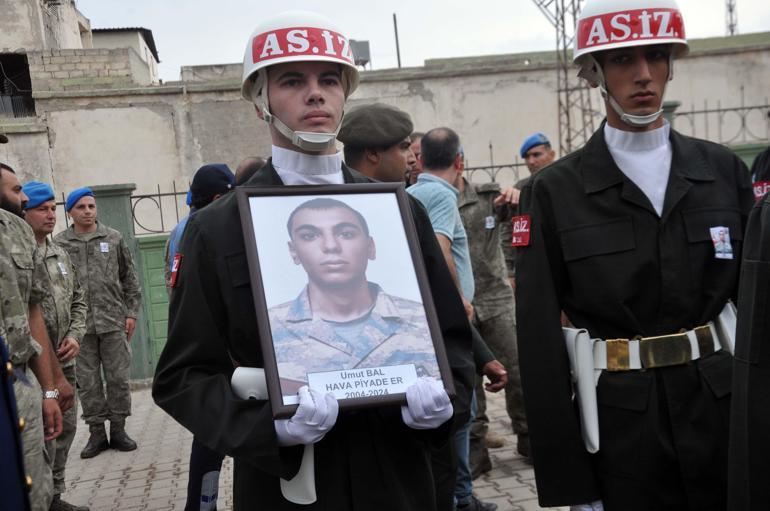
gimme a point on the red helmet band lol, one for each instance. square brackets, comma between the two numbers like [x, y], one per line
[636, 25]
[301, 41]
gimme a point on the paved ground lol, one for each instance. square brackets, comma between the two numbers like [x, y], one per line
[154, 477]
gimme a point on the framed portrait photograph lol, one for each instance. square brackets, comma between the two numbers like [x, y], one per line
[341, 293]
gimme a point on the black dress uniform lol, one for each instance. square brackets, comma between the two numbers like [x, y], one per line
[599, 252]
[13, 489]
[749, 466]
[369, 460]
[760, 174]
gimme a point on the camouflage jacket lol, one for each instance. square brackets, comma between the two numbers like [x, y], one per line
[483, 224]
[22, 278]
[64, 307]
[395, 332]
[106, 270]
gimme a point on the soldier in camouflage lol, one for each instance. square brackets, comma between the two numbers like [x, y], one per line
[106, 268]
[64, 311]
[36, 372]
[352, 323]
[494, 307]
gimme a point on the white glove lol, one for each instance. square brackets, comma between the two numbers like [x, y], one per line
[593, 506]
[427, 405]
[315, 415]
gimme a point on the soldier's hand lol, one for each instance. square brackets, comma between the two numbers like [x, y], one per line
[52, 420]
[593, 506]
[509, 195]
[315, 416]
[68, 349]
[66, 394]
[498, 376]
[468, 309]
[427, 405]
[130, 327]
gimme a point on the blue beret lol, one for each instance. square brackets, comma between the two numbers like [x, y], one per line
[188, 198]
[75, 195]
[38, 193]
[532, 141]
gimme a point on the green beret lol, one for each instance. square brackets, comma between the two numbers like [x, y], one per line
[376, 125]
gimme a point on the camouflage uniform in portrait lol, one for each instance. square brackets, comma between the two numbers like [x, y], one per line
[64, 311]
[22, 277]
[494, 301]
[106, 271]
[395, 332]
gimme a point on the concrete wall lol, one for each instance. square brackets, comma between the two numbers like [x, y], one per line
[103, 127]
[36, 25]
[68, 26]
[148, 71]
[22, 25]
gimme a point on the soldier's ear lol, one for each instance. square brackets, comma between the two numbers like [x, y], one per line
[293, 253]
[372, 249]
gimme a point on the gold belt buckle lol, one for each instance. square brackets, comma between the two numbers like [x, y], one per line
[618, 358]
[705, 340]
[665, 350]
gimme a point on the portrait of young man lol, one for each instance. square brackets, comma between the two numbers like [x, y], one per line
[341, 320]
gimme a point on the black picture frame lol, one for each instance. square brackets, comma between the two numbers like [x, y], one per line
[256, 254]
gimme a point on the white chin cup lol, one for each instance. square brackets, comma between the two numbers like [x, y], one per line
[306, 140]
[595, 74]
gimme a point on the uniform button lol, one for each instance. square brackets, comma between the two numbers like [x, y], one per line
[9, 369]
[28, 480]
[22, 423]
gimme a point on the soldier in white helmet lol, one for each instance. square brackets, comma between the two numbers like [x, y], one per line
[298, 71]
[618, 236]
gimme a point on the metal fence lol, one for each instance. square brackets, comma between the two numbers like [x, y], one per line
[16, 106]
[159, 212]
[743, 124]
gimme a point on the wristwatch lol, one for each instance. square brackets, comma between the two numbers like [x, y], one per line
[51, 394]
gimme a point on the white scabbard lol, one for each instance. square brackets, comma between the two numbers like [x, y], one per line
[725, 326]
[580, 349]
[249, 383]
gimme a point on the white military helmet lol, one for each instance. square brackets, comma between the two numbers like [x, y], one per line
[295, 36]
[611, 24]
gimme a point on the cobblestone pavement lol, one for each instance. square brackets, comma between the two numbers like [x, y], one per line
[154, 477]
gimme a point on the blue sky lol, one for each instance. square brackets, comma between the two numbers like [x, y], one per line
[193, 32]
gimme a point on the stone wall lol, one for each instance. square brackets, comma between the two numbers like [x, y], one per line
[86, 69]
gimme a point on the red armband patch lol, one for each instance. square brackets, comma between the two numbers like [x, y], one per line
[521, 226]
[175, 265]
[761, 188]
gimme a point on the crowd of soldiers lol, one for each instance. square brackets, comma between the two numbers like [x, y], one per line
[69, 309]
[599, 291]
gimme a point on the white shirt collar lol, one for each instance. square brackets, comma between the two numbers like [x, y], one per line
[637, 141]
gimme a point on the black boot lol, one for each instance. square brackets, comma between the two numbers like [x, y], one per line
[119, 439]
[62, 505]
[97, 442]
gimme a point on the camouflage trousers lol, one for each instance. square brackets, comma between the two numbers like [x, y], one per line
[29, 399]
[59, 448]
[499, 332]
[109, 354]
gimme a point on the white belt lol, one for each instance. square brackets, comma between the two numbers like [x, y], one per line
[629, 354]
[589, 357]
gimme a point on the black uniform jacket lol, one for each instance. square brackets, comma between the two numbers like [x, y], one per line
[370, 459]
[599, 252]
[749, 466]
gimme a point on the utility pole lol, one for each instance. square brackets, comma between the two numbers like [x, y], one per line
[395, 29]
[576, 116]
[731, 20]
